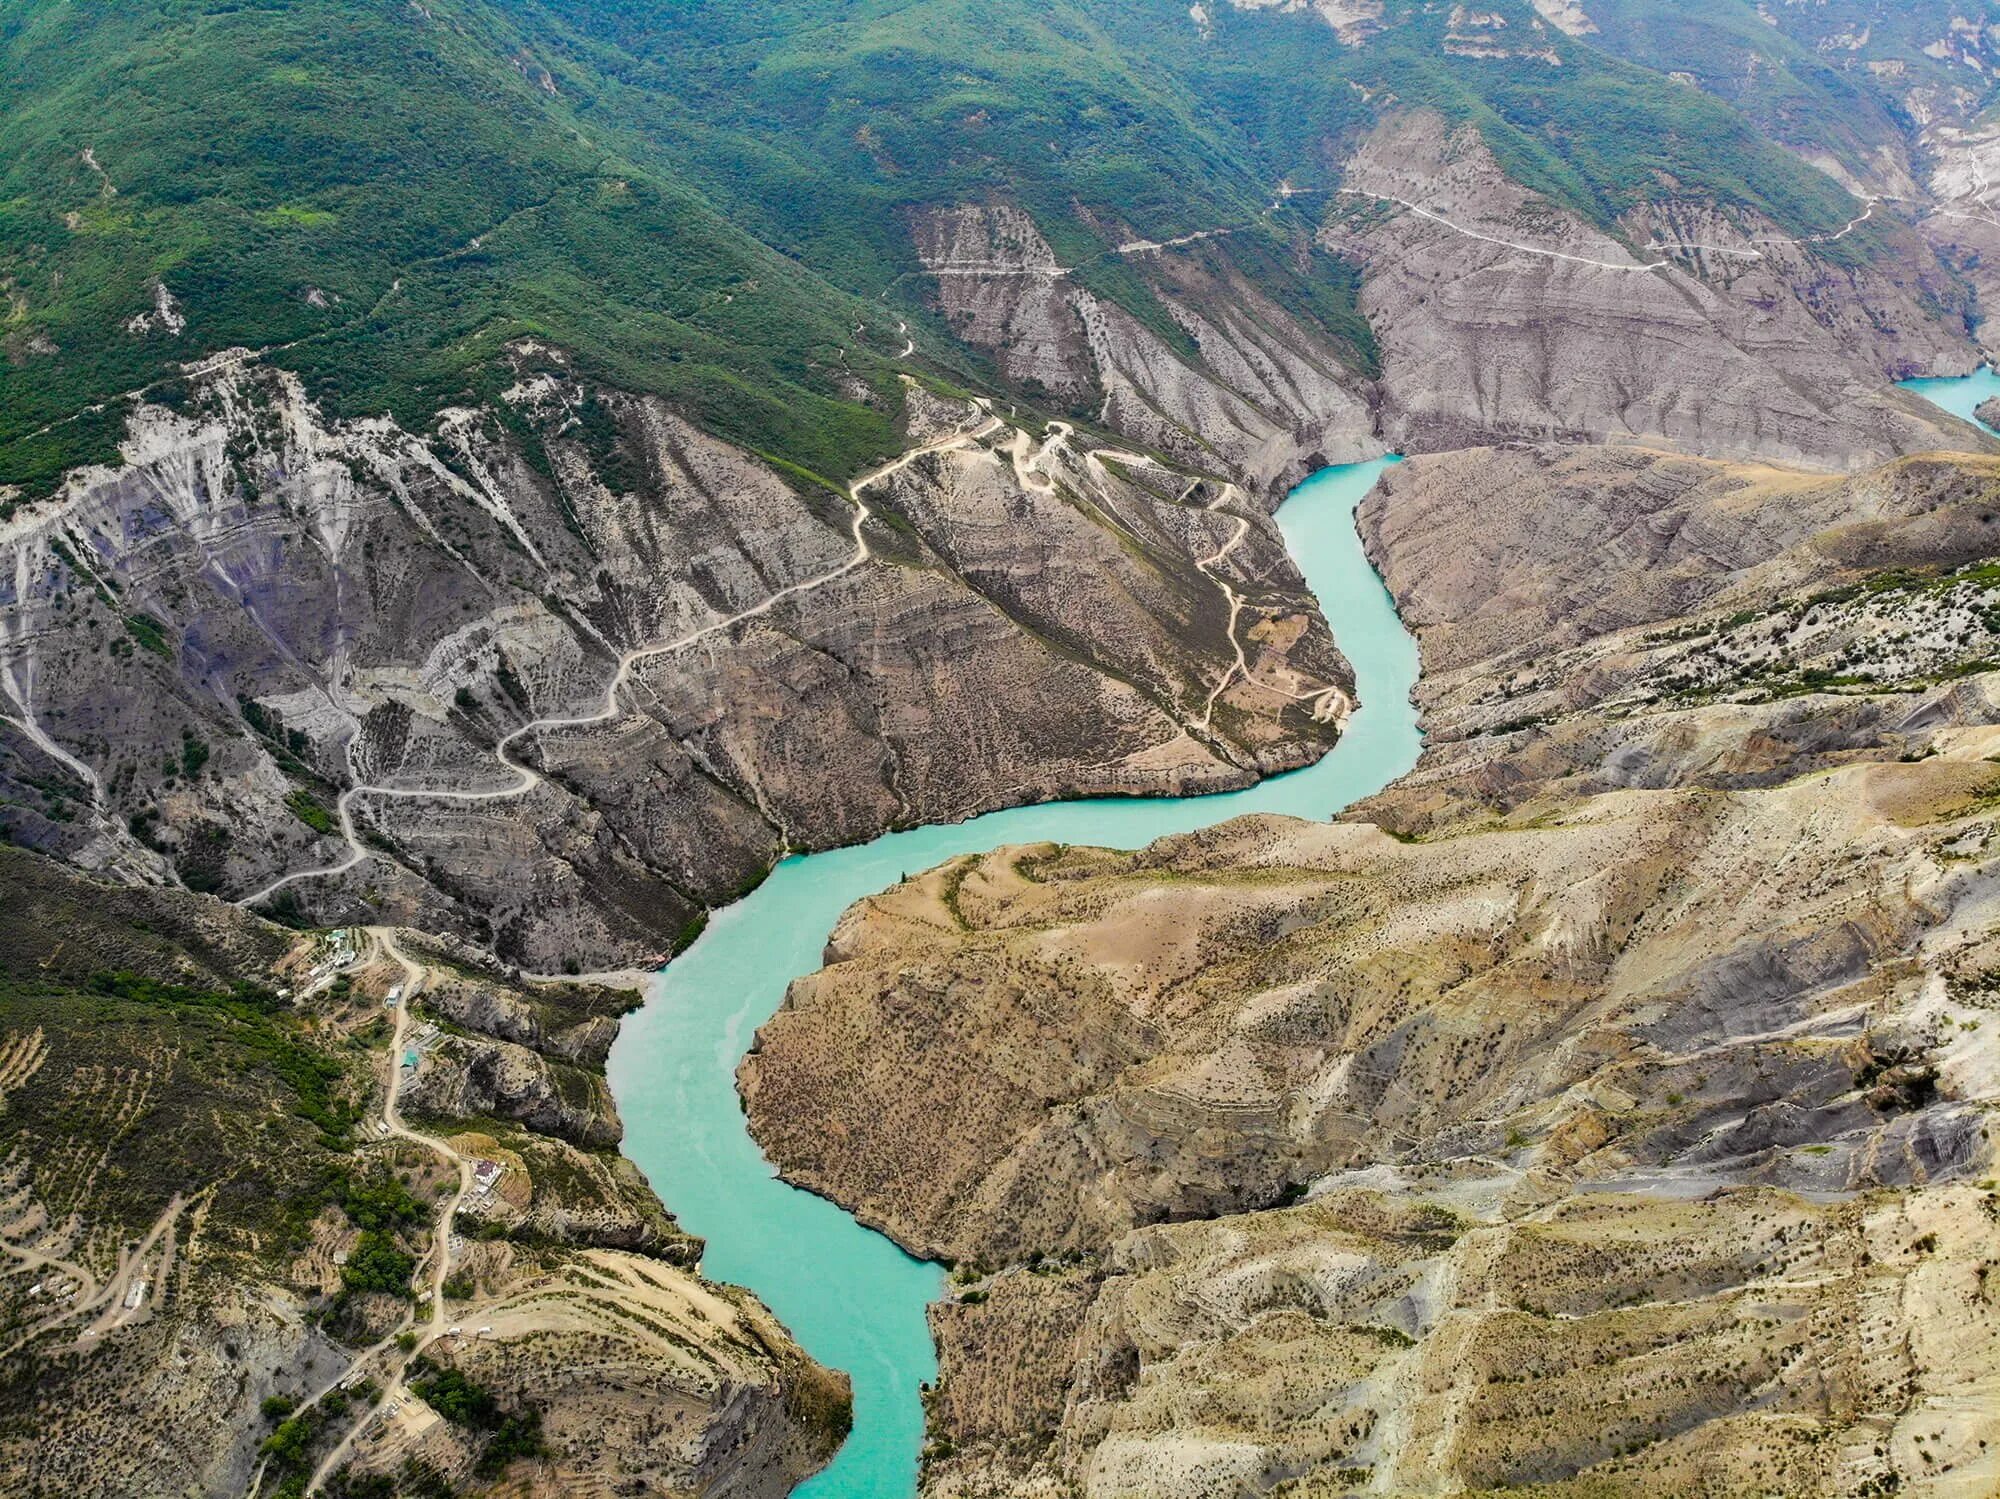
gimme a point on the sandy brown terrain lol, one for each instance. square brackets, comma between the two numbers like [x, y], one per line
[1601, 1109]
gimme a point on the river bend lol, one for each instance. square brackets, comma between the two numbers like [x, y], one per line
[851, 1297]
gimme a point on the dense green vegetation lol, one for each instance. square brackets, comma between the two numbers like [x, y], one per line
[1789, 88]
[1603, 136]
[378, 186]
[1881, 47]
[375, 1263]
[306, 808]
[707, 200]
[257, 1024]
[814, 120]
[380, 1202]
[288, 1451]
[463, 1402]
[150, 633]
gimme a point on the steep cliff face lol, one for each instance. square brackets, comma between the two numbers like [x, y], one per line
[561, 672]
[1578, 1134]
[1251, 385]
[1561, 1096]
[1595, 618]
[1499, 313]
[1962, 221]
[1234, 1012]
[653, 1381]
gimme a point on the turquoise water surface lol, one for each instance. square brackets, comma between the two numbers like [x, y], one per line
[851, 1297]
[1958, 394]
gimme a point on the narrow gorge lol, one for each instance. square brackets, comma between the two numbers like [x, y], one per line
[714, 779]
[1640, 1029]
[855, 1300]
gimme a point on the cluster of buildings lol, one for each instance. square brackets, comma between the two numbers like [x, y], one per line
[341, 951]
[413, 1051]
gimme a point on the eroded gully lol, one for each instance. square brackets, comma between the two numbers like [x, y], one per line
[853, 1299]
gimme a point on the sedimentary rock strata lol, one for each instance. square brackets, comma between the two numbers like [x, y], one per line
[563, 672]
[1502, 314]
[211, 1237]
[1572, 1116]
[1256, 385]
[1594, 618]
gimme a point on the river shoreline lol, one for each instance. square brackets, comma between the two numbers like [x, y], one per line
[854, 1299]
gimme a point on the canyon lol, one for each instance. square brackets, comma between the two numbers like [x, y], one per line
[1640, 1031]
[590, 596]
[267, 637]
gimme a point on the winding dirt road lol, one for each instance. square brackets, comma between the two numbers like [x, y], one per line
[526, 778]
[1868, 212]
[415, 975]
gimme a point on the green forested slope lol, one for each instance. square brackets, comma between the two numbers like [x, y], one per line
[395, 160]
[813, 120]
[1828, 78]
[707, 199]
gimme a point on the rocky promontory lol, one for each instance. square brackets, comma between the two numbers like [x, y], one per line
[1569, 1117]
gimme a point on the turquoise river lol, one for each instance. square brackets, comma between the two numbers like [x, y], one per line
[1959, 394]
[851, 1297]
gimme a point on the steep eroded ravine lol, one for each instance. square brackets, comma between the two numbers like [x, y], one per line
[853, 1299]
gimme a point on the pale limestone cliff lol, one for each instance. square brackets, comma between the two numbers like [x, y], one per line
[1501, 314]
[265, 632]
[1255, 387]
[1597, 618]
[1614, 1128]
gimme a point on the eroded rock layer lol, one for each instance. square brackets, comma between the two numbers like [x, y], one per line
[1232, 376]
[563, 672]
[1503, 314]
[1603, 1108]
[222, 1263]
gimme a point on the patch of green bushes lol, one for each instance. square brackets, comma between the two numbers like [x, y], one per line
[303, 805]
